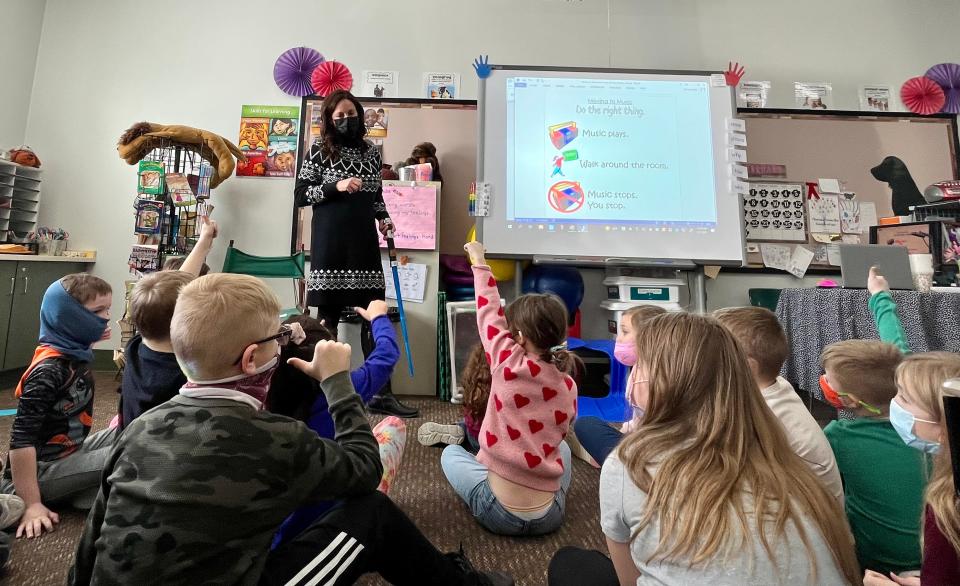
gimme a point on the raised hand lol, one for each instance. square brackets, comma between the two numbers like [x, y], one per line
[475, 252]
[733, 74]
[329, 358]
[482, 66]
[876, 282]
[375, 309]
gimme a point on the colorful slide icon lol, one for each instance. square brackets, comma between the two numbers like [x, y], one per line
[566, 197]
[563, 134]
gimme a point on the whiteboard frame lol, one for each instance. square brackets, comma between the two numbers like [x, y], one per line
[723, 183]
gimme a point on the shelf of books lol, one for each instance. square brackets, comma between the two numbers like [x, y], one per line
[19, 201]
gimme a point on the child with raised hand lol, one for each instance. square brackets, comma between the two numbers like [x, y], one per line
[194, 489]
[595, 435]
[151, 374]
[759, 332]
[475, 380]
[53, 460]
[517, 483]
[708, 490]
[303, 399]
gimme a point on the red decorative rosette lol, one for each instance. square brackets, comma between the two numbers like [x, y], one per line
[329, 77]
[922, 95]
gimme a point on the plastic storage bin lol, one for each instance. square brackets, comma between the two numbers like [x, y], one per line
[618, 307]
[643, 289]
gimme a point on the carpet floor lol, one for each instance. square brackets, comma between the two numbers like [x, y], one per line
[420, 490]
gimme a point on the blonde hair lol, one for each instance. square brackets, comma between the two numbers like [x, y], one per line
[920, 378]
[712, 440]
[759, 332]
[216, 317]
[153, 300]
[641, 313]
[866, 368]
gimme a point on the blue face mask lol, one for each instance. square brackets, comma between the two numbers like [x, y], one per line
[903, 421]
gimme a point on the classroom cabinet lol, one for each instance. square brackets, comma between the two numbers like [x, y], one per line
[22, 285]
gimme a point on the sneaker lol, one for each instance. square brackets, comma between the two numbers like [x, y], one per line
[437, 434]
[11, 509]
[387, 404]
[472, 577]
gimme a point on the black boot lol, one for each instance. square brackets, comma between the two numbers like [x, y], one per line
[385, 403]
[472, 577]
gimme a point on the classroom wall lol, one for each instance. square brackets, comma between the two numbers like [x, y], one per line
[20, 38]
[104, 65]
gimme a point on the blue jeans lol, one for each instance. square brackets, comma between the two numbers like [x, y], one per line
[469, 480]
[597, 437]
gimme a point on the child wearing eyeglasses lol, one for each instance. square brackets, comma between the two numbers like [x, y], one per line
[883, 478]
[194, 490]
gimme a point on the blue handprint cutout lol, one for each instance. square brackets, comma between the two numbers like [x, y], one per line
[482, 66]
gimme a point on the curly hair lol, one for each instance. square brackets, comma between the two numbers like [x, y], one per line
[475, 380]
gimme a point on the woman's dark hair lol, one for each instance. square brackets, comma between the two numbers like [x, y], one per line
[426, 150]
[331, 140]
[475, 380]
[293, 393]
[542, 319]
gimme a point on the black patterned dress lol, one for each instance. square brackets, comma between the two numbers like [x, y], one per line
[345, 267]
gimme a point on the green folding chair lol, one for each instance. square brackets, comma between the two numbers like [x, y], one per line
[271, 267]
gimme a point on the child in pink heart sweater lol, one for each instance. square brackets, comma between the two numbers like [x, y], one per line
[517, 483]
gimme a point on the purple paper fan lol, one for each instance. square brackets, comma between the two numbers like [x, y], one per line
[947, 76]
[293, 69]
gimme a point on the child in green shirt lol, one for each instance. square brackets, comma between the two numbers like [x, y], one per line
[883, 478]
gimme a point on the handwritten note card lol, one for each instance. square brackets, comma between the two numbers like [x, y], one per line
[799, 261]
[413, 281]
[825, 214]
[414, 211]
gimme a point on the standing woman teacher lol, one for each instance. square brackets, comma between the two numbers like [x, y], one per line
[340, 178]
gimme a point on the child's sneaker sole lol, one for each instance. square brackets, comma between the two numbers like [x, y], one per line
[435, 434]
[11, 509]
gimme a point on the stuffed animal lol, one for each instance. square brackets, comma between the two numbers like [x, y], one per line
[143, 137]
[24, 155]
[894, 172]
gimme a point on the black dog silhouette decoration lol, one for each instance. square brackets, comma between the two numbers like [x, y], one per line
[894, 173]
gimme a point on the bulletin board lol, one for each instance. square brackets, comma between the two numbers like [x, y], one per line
[451, 126]
[846, 146]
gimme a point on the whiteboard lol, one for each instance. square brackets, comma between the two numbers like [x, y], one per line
[643, 175]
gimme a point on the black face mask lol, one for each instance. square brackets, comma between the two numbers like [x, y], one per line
[348, 126]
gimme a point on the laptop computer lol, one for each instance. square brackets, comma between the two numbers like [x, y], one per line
[893, 262]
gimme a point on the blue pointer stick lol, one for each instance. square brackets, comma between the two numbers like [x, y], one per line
[392, 253]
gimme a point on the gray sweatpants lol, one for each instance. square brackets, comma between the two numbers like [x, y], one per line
[74, 480]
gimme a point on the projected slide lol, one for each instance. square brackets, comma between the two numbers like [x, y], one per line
[611, 151]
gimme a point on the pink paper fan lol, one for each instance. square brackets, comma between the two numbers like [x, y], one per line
[331, 76]
[947, 76]
[922, 95]
[293, 69]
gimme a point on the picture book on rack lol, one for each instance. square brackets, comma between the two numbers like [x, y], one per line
[149, 216]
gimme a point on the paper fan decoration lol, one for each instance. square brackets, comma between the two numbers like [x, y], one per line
[922, 95]
[329, 77]
[293, 69]
[947, 76]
